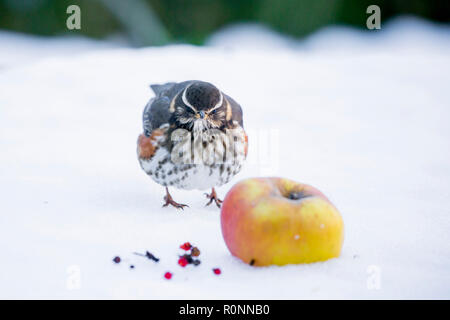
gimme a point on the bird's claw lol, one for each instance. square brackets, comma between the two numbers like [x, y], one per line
[213, 197]
[170, 201]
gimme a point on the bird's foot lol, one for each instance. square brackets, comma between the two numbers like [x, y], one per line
[169, 200]
[213, 197]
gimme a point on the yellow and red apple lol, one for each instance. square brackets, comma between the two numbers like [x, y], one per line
[278, 221]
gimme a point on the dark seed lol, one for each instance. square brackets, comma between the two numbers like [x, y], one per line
[252, 262]
[147, 255]
[151, 256]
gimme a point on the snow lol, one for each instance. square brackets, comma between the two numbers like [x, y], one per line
[363, 116]
[18, 48]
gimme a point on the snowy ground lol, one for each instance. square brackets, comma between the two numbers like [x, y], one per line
[362, 116]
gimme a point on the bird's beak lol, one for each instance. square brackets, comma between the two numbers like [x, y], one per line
[200, 115]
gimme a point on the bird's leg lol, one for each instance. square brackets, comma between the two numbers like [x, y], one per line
[213, 197]
[169, 200]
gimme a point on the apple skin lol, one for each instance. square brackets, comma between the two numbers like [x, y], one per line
[262, 226]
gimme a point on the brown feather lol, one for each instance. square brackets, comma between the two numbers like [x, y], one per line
[146, 145]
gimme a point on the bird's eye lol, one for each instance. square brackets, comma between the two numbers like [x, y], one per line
[213, 112]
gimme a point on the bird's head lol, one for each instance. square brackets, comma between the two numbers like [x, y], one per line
[200, 106]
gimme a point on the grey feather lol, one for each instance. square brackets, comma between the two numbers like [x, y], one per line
[156, 112]
[161, 88]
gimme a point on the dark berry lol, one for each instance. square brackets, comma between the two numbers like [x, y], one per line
[188, 258]
[117, 259]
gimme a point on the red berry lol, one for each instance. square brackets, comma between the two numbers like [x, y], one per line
[217, 271]
[116, 259]
[186, 246]
[182, 262]
[168, 275]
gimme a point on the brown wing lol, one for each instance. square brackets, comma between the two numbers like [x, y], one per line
[147, 146]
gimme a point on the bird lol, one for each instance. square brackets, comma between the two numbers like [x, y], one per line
[193, 138]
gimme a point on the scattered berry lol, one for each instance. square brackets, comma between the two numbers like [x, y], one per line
[188, 258]
[147, 255]
[183, 262]
[168, 275]
[117, 259]
[186, 246]
[131, 267]
[217, 271]
[195, 252]
[151, 257]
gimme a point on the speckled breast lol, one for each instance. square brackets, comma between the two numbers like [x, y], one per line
[210, 163]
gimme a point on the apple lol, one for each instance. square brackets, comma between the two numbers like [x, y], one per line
[278, 221]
